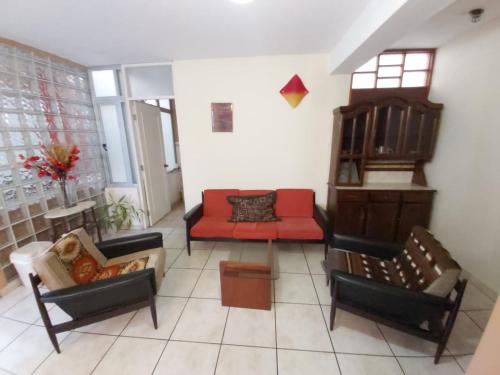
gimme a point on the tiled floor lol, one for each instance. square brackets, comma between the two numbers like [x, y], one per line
[197, 335]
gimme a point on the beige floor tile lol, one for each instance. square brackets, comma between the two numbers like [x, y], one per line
[292, 261]
[132, 356]
[9, 330]
[465, 336]
[168, 310]
[179, 282]
[315, 254]
[233, 253]
[15, 296]
[202, 245]
[474, 299]
[172, 255]
[295, 288]
[56, 315]
[188, 358]
[292, 362]
[403, 344]
[26, 310]
[208, 285]
[301, 327]
[80, 354]
[28, 351]
[356, 335]
[464, 361]
[352, 364]
[113, 326]
[175, 241]
[426, 366]
[244, 360]
[203, 320]
[480, 317]
[322, 289]
[250, 327]
[197, 259]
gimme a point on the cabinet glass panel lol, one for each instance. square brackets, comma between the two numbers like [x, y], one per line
[349, 171]
[359, 133]
[346, 137]
[387, 130]
[419, 133]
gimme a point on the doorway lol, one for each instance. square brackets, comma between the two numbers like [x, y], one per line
[157, 130]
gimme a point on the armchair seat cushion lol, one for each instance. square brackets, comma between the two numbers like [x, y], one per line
[299, 228]
[209, 226]
[256, 231]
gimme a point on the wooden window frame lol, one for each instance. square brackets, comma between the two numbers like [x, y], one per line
[360, 94]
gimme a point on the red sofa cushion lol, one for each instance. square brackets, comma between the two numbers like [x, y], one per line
[215, 202]
[213, 227]
[256, 231]
[294, 202]
[299, 228]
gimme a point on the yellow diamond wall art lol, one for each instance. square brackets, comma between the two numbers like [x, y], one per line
[294, 91]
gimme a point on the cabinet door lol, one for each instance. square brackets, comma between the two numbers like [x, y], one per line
[412, 214]
[381, 219]
[388, 129]
[353, 145]
[420, 132]
[349, 218]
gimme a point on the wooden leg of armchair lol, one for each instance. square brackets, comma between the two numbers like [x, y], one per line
[333, 308]
[152, 306]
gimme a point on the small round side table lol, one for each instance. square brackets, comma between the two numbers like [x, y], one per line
[81, 207]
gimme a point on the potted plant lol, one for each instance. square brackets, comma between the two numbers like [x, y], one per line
[56, 162]
[119, 214]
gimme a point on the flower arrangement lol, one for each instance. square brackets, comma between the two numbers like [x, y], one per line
[56, 162]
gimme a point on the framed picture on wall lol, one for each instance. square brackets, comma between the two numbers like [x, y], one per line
[222, 117]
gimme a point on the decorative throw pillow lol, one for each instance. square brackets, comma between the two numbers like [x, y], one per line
[253, 208]
[84, 268]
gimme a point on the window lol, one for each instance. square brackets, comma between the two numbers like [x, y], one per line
[395, 69]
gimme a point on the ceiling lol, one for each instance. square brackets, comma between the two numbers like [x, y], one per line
[97, 32]
[449, 23]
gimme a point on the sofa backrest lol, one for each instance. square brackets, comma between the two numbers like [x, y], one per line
[426, 265]
[294, 202]
[215, 202]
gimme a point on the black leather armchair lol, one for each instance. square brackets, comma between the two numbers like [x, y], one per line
[103, 299]
[394, 284]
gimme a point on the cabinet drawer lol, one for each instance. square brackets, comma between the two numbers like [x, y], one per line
[384, 196]
[417, 196]
[352, 196]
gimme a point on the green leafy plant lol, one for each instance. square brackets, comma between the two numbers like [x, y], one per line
[120, 213]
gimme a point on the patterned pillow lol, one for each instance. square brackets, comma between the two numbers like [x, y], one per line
[253, 208]
[83, 267]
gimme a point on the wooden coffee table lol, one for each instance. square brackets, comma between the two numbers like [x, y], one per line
[249, 284]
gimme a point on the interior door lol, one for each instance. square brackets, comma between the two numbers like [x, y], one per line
[154, 169]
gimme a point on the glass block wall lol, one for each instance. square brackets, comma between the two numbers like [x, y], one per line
[41, 100]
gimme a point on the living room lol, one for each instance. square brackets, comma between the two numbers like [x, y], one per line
[244, 179]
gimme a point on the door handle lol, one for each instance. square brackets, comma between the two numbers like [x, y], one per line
[165, 165]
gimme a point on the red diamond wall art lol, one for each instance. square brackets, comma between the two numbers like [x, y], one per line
[294, 91]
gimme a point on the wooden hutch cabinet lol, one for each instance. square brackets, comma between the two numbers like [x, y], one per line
[389, 135]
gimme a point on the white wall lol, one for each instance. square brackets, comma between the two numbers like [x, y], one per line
[466, 166]
[272, 145]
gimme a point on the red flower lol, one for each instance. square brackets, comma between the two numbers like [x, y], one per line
[42, 173]
[71, 177]
[34, 158]
[21, 156]
[55, 176]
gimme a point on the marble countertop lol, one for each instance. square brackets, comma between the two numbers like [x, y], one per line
[386, 186]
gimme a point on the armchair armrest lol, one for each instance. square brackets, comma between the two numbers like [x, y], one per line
[321, 217]
[408, 307]
[194, 214]
[103, 295]
[130, 244]
[378, 249]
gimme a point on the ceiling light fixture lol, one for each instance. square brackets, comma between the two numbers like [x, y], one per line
[475, 14]
[242, 2]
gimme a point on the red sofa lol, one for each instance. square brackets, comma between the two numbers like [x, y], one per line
[301, 219]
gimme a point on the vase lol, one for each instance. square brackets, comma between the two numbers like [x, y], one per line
[66, 188]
